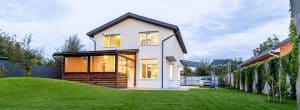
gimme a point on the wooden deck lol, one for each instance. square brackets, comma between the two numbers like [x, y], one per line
[103, 79]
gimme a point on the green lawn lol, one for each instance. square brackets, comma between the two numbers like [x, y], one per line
[37, 93]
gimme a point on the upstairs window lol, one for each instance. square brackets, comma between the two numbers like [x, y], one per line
[148, 38]
[113, 40]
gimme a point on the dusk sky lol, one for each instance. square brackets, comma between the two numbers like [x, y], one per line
[211, 29]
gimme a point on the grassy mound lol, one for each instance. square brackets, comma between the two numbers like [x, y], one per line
[39, 93]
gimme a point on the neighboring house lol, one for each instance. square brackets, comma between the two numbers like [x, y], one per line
[280, 50]
[130, 51]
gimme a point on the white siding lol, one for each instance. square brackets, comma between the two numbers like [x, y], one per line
[129, 31]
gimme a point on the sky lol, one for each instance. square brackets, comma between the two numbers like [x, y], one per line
[211, 29]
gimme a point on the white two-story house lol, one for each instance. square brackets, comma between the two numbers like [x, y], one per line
[130, 51]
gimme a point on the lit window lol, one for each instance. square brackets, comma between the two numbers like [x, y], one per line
[112, 41]
[76, 64]
[104, 63]
[149, 69]
[149, 38]
[171, 72]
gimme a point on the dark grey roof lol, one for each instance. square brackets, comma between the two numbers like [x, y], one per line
[86, 53]
[220, 62]
[263, 53]
[3, 58]
[192, 63]
[144, 19]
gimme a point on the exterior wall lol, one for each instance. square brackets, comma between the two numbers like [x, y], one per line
[286, 49]
[129, 31]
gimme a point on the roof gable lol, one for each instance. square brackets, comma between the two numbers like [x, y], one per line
[144, 19]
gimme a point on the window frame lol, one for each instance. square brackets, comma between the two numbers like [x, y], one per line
[146, 37]
[110, 40]
[141, 69]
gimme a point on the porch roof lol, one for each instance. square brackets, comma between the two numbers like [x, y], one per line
[91, 53]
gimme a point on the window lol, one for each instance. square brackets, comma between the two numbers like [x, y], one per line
[76, 64]
[112, 40]
[171, 72]
[104, 63]
[149, 69]
[148, 38]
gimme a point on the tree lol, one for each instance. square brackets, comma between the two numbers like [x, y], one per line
[266, 45]
[188, 71]
[202, 71]
[72, 44]
[20, 52]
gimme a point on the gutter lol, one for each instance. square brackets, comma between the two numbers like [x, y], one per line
[94, 43]
[162, 58]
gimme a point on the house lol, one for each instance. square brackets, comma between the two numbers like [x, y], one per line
[282, 49]
[130, 51]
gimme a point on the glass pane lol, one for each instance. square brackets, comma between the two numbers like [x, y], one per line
[112, 41]
[142, 39]
[76, 64]
[118, 41]
[155, 39]
[102, 63]
[143, 71]
[154, 71]
[171, 72]
[106, 41]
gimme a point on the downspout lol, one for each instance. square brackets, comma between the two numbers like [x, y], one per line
[162, 58]
[94, 43]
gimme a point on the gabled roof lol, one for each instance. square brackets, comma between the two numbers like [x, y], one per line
[144, 19]
[217, 62]
[264, 54]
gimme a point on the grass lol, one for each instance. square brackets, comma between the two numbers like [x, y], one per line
[39, 93]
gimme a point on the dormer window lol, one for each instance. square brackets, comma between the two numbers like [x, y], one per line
[148, 38]
[113, 40]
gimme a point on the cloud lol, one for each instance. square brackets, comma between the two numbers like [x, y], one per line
[211, 28]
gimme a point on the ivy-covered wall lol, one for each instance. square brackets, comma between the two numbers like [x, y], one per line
[269, 71]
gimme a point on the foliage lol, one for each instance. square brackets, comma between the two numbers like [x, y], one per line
[188, 71]
[72, 44]
[64, 95]
[260, 81]
[202, 71]
[3, 72]
[236, 76]
[266, 45]
[294, 63]
[20, 52]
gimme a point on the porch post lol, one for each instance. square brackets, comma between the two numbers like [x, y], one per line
[134, 84]
[88, 69]
[116, 70]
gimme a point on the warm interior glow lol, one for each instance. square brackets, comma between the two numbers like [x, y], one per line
[149, 69]
[171, 72]
[112, 41]
[76, 64]
[104, 63]
[149, 38]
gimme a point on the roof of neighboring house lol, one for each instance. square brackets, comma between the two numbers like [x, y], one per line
[87, 53]
[3, 58]
[192, 63]
[144, 19]
[264, 54]
[220, 62]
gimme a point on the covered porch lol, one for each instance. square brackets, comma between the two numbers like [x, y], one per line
[110, 68]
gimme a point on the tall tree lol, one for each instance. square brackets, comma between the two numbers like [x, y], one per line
[72, 44]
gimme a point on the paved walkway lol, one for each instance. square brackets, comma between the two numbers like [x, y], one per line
[182, 88]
